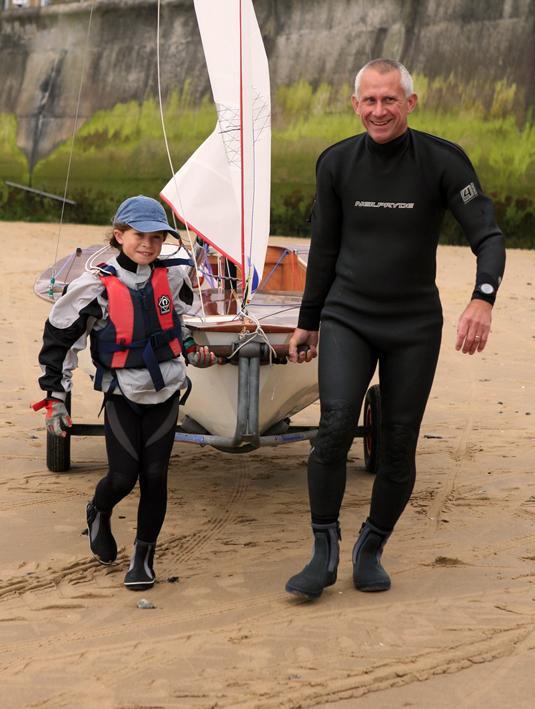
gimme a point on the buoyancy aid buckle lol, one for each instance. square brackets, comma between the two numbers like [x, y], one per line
[157, 340]
[163, 337]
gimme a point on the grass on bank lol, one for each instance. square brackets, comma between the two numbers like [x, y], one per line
[121, 152]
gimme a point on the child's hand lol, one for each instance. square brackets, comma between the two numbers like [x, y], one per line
[57, 416]
[198, 356]
[201, 357]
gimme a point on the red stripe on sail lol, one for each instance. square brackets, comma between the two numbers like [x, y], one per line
[241, 156]
[198, 232]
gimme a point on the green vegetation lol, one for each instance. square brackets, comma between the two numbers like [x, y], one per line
[122, 152]
[501, 147]
[13, 163]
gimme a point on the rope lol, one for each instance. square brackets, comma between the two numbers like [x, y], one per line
[89, 267]
[258, 332]
[266, 281]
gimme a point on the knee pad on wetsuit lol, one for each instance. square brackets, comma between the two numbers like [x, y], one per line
[398, 451]
[336, 431]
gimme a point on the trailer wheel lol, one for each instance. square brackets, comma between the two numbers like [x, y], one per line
[58, 450]
[372, 428]
[58, 453]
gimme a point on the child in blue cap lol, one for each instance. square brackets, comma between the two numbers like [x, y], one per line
[131, 308]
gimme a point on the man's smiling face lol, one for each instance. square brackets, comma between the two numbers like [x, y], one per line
[382, 105]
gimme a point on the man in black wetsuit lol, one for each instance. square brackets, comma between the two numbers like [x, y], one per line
[380, 201]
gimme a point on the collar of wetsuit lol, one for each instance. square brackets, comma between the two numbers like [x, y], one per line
[126, 262]
[387, 149]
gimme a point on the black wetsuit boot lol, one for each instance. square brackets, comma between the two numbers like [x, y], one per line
[140, 576]
[368, 572]
[322, 568]
[101, 539]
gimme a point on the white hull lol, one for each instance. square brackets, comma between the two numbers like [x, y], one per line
[284, 389]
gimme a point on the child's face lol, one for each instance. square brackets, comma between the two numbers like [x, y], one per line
[141, 247]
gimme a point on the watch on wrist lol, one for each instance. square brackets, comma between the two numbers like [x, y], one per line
[486, 288]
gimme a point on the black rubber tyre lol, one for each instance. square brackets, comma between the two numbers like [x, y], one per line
[58, 453]
[58, 450]
[372, 426]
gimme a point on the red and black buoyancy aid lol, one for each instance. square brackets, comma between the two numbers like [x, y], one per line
[143, 328]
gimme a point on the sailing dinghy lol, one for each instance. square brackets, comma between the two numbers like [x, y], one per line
[248, 294]
[222, 195]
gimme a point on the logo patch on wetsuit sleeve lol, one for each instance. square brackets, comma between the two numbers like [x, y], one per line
[164, 304]
[468, 193]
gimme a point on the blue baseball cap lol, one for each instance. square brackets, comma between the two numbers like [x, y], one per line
[144, 214]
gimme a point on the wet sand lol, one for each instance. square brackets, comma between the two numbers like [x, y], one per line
[457, 628]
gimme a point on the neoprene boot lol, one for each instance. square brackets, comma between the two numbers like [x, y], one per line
[322, 568]
[101, 539]
[368, 572]
[140, 575]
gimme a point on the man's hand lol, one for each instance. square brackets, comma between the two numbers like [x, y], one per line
[57, 417]
[303, 337]
[474, 327]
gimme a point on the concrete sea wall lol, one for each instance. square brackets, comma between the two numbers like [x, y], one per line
[472, 61]
[473, 45]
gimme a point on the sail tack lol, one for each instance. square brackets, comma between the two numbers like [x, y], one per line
[223, 191]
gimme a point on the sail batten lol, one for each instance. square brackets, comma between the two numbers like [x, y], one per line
[223, 191]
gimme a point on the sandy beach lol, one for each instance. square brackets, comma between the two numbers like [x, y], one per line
[457, 629]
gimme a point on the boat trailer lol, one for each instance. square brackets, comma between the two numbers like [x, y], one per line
[249, 356]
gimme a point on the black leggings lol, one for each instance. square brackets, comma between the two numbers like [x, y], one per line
[138, 442]
[347, 361]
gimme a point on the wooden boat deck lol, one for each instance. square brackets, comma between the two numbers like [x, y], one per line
[276, 302]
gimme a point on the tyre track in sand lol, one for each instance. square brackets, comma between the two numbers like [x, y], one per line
[179, 548]
[479, 696]
[342, 684]
[42, 500]
[496, 643]
[416, 668]
[218, 621]
[127, 633]
[458, 454]
[76, 572]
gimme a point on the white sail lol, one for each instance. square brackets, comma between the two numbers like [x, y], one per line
[223, 191]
